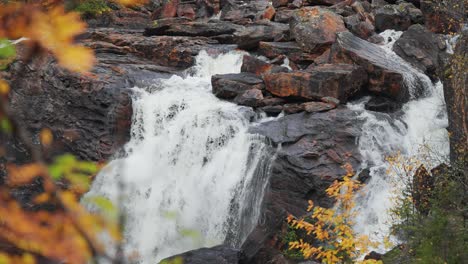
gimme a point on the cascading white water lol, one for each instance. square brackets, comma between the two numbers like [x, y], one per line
[193, 175]
[422, 122]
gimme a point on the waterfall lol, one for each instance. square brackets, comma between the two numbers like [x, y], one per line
[421, 122]
[192, 174]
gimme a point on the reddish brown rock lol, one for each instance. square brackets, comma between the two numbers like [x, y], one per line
[269, 13]
[339, 81]
[168, 9]
[385, 71]
[186, 10]
[315, 28]
[283, 15]
[259, 67]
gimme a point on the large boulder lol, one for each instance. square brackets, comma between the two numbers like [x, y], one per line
[228, 86]
[314, 148]
[422, 48]
[335, 80]
[315, 28]
[399, 17]
[389, 75]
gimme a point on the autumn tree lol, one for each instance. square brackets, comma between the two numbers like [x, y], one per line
[332, 228]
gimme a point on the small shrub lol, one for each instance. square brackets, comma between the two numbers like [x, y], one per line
[92, 8]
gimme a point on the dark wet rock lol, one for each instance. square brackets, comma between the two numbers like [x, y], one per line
[376, 39]
[280, 3]
[89, 115]
[340, 81]
[373, 255]
[385, 71]
[252, 98]
[314, 29]
[399, 17]
[442, 16]
[272, 110]
[193, 29]
[170, 51]
[312, 107]
[228, 86]
[215, 255]
[292, 50]
[382, 104]
[314, 147]
[364, 176]
[259, 67]
[283, 15]
[422, 48]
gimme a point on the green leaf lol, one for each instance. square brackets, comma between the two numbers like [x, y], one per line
[7, 50]
[5, 125]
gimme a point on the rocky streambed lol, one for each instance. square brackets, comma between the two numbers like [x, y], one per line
[303, 60]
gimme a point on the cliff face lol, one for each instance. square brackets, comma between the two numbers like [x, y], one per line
[455, 81]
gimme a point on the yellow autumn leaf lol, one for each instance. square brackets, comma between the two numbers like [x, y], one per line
[46, 137]
[76, 58]
[4, 87]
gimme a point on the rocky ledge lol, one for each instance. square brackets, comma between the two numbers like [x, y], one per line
[306, 59]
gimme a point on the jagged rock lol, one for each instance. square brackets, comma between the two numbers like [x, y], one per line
[283, 15]
[123, 18]
[340, 81]
[313, 151]
[295, 4]
[443, 16]
[385, 71]
[252, 98]
[312, 107]
[228, 86]
[193, 29]
[171, 51]
[292, 50]
[251, 36]
[398, 17]
[422, 48]
[382, 104]
[330, 100]
[364, 176]
[314, 29]
[259, 67]
[362, 28]
[215, 255]
[167, 9]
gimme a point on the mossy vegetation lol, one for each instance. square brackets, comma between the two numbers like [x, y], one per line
[92, 8]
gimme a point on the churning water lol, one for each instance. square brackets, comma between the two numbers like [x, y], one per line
[422, 122]
[193, 175]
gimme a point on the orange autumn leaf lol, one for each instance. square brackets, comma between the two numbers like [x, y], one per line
[46, 137]
[19, 175]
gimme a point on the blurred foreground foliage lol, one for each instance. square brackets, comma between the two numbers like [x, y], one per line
[53, 227]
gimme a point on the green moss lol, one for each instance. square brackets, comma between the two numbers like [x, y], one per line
[92, 7]
[291, 236]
